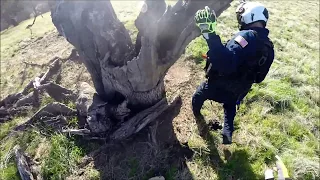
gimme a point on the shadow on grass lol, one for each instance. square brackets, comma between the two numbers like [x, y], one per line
[237, 165]
[154, 151]
[197, 59]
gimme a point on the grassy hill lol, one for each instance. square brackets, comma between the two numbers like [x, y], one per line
[278, 117]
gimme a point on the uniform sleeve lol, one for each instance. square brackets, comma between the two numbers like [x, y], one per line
[226, 59]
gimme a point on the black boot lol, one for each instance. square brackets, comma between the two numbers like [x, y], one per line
[226, 138]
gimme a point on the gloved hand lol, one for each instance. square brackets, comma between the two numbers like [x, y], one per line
[206, 20]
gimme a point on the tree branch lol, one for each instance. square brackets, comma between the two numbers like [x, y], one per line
[23, 164]
[139, 121]
[105, 45]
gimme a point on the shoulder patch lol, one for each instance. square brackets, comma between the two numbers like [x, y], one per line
[243, 42]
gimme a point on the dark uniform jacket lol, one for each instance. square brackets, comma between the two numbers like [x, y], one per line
[230, 69]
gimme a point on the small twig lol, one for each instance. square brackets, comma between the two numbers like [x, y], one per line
[34, 64]
[34, 20]
[24, 75]
[82, 132]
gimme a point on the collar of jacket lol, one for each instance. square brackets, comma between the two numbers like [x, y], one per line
[262, 32]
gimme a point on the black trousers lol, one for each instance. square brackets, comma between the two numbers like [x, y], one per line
[209, 90]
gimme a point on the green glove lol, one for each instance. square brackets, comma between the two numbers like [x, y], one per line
[206, 20]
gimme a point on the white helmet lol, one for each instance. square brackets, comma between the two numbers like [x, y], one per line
[250, 12]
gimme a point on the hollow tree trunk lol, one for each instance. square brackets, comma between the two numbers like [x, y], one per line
[115, 64]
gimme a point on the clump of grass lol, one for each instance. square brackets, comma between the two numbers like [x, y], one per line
[8, 126]
[305, 168]
[63, 158]
[93, 174]
[279, 94]
[71, 104]
[28, 141]
[10, 172]
[73, 122]
[196, 49]
[46, 100]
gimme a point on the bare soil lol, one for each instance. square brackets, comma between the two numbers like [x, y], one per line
[37, 53]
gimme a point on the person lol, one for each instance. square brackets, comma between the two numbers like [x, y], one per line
[232, 68]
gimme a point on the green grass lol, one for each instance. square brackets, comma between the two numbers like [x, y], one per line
[13, 41]
[14, 37]
[63, 158]
[28, 141]
[8, 126]
[93, 174]
[281, 115]
[10, 172]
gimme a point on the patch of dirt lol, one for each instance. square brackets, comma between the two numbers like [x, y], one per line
[178, 74]
[183, 77]
[42, 151]
[40, 52]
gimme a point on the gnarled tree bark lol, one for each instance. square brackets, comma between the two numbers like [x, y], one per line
[116, 67]
[126, 75]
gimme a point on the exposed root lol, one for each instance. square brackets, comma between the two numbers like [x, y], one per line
[142, 119]
[29, 97]
[8, 114]
[81, 132]
[34, 64]
[133, 126]
[25, 165]
[10, 99]
[55, 68]
[27, 100]
[53, 111]
[58, 92]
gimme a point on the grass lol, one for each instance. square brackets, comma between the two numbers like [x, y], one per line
[281, 115]
[63, 158]
[28, 141]
[8, 126]
[15, 37]
[278, 117]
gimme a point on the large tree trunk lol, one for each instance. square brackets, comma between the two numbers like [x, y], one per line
[116, 67]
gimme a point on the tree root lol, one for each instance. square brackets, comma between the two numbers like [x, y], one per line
[8, 114]
[142, 119]
[15, 104]
[26, 167]
[58, 92]
[132, 126]
[81, 132]
[22, 164]
[53, 111]
[43, 78]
